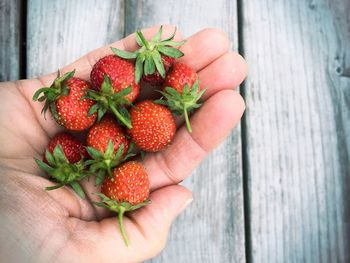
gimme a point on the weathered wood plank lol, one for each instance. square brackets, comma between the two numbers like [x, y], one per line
[298, 132]
[10, 12]
[212, 229]
[61, 31]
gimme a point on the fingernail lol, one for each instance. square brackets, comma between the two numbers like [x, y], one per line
[186, 204]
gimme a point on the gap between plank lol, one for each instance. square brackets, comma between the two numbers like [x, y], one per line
[125, 17]
[23, 40]
[246, 197]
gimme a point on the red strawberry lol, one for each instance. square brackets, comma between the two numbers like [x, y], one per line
[113, 80]
[129, 184]
[154, 57]
[107, 129]
[181, 91]
[153, 126]
[107, 146]
[179, 75]
[63, 161]
[156, 78]
[65, 98]
[127, 190]
[119, 71]
[73, 148]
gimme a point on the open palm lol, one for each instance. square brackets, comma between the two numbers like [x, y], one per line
[40, 226]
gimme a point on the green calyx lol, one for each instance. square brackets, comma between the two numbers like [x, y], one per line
[107, 99]
[182, 103]
[148, 56]
[120, 208]
[50, 94]
[63, 172]
[103, 163]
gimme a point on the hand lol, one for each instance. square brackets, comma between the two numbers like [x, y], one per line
[40, 226]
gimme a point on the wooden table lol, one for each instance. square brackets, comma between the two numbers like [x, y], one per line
[278, 189]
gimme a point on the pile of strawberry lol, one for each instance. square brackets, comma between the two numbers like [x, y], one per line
[109, 114]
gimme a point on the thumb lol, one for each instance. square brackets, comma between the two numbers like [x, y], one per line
[154, 220]
[147, 229]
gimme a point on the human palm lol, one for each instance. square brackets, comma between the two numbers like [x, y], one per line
[48, 226]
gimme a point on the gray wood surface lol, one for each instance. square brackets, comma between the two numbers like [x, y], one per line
[296, 129]
[212, 228]
[297, 124]
[61, 31]
[9, 39]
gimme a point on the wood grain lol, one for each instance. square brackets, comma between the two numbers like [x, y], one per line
[61, 31]
[212, 228]
[10, 12]
[297, 129]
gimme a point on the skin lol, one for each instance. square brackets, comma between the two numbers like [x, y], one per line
[57, 226]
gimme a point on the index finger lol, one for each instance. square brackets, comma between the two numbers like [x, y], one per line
[84, 64]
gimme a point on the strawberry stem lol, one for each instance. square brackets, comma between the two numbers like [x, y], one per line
[109, 169]
[188, 125]
[121, 211]
[143, 39]
[108, 161]
[120, 117]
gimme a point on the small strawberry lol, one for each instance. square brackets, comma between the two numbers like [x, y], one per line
[153, 58]
[107, 145]
[129, 184]
[153, 126]
[179, 75]
[127, 190]
[119, 71]
[67, 102]
[107, 129]
[181, 91]
[113, 80]
[155, 78]
[63, 161]
[73, 148]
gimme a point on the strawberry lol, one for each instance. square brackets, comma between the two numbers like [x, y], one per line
[113, 80]
[107, 129]
[63, 161]
[153, 126]
[67, 102]
[179, 75]
[107, 145]
[73, 148]
[119, 71]
[156, 78]
[129, 184]
[153, 58]
[181, 91]
[127, 190]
